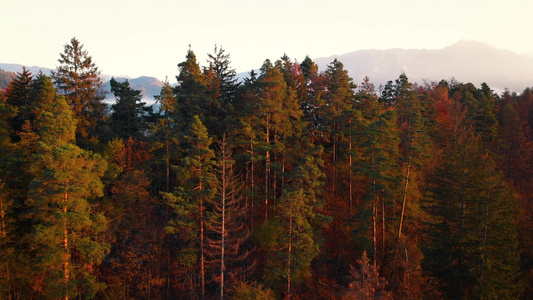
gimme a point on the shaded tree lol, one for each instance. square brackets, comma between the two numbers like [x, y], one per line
[78, 79]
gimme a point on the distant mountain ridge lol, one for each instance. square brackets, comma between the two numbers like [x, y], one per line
[149, 86]
[466, 61]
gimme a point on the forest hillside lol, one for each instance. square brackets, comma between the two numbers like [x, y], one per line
[294, 183]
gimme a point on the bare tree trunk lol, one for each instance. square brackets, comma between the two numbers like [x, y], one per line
[66, 257]
[374, 211]
[289, 259]
[383, 252]
[350, 179]
[202, 258]
[223, 235]
[267, 165]
[2, 216]
[252, 186]
[485, 233]
[168, 167]
[374, 221]
[404, 200]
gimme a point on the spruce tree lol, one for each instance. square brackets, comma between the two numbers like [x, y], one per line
[78, 79]
[19, 96]
[129, 116]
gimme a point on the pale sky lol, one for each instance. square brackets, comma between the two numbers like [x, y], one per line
[135, 38]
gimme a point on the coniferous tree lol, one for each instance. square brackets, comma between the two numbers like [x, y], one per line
[290, 238]
[19, 95]
[166, 130]
[129, 115]
[78, 79]
[192, 92]
[189, 201]
[472, 239]
[64, 227]
[227, 231]
[366, 281]
[224, 87]
[379, 170]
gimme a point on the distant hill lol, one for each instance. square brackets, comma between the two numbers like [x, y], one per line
[16, 68]
[149, 86]
[5, 78]
[466, 61]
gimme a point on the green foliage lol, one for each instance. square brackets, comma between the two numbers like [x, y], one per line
[64, 227]
[78, 79]
[129, 116]
[245, 291]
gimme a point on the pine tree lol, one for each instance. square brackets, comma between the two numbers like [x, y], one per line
[189, 201]
[64, 226]
[78, 79]
[166, 129]
[192, 92]
[378, 167]
[291, 237]
[226, 86]
[129, 115]
[19, 95]
[338, 99]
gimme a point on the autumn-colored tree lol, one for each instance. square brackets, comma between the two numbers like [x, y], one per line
[366, 283]
[226, 228]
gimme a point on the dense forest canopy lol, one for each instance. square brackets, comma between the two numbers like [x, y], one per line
[293, 183]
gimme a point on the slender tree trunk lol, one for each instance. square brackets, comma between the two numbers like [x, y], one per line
[267, 164]
[404, 200]
[252, 185]
[485, 234]
[374, 210]
[223, 235]
[202, 258]
[374, 221]
[2, 216]
[289, 259]
[383, 252]
[168, 167]
[66, 274]
[350, 181]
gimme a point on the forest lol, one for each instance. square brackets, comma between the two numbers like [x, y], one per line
[293, 183]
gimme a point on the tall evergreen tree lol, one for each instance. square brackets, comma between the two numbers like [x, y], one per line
[291, 238]
[78, 79]
[192, 91]
[64, 226]
[472, 239]
[19, 95]
[129, 115]
[166, 130]
[189, 201]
